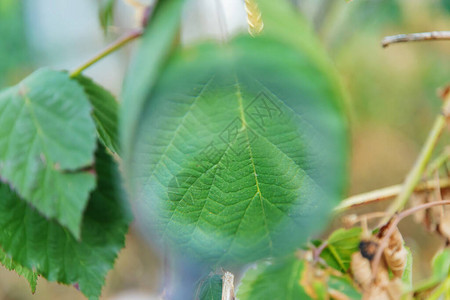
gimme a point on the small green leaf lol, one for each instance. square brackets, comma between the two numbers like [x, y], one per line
[106, 13]
[29, 275]
[407, 273]
[440, 268]
[43, 245]
[277, 280]
[345, 286]
[210, 288]
[47, 139]
[441, 264]
[342, 243]
[105, 112]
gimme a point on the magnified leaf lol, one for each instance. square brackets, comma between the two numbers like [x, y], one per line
[239, 151]
[210, 288]
[47, 138]
[155, 49]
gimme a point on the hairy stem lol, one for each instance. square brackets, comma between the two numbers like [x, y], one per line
[388, 193]
[108, 50]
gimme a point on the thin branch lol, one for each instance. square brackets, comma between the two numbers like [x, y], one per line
[393, 223]
[388, 193]
[108, 50]
[317, 251]
[416, 37]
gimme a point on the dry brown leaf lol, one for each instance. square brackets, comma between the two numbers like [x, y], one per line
[376, 293]
[395, 254]
[361, 270]
[337, 295]
[396, 260]
[395, 289]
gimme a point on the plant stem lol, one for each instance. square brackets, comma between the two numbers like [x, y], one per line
[440, 290]
[415, 37]
[108, 50]
[438, 162]
[416, 172]
[388, 193]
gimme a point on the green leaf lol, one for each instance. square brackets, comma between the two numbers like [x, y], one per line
[43, 245]
[146, 67]
[407, 274]
[210, 288]
[440, 270]
[105, 113]
[236, 148]
[446, 5]
[29, 275]
[345, 286]
[342, 243]
[106, 13]
[278, 280]
[47, 139]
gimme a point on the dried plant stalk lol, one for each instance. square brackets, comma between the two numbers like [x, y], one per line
[254, 18]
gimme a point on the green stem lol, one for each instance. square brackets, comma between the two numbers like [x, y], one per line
[108, 50]
[436, 164]
[415, 175]
[438, 292]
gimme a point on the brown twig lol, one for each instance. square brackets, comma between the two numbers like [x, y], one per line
[388, 193]
[416, 37]
[317, 251]
[392, 225]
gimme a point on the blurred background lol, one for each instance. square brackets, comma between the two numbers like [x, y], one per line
[392, 94]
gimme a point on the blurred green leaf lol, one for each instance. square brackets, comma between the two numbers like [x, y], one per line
[48, 137]
[277, 280]
[441, 264]
[145, 68]
[231, 155]
[345, 286]
[440, 271]
[106, 13]
[407, 273]
[342, 243]
[210, 288]
[446, 5]
[29, 275]
[14, 54]
[105, 113]
[43, 245]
